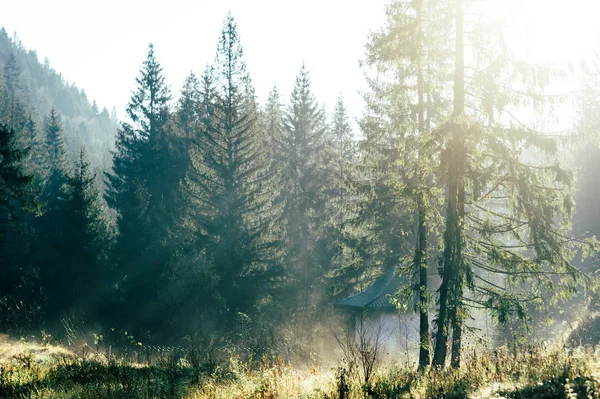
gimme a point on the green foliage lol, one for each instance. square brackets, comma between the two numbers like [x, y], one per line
[301, 153]
[230, 186]
[18, 202]
[85, 238]
[31, 89]
[246, 223]
[142, 189]
[17, 196]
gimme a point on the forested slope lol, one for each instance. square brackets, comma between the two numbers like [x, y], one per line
[44, 88]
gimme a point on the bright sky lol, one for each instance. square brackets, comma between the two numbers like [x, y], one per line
[549, 30]
[100, 45]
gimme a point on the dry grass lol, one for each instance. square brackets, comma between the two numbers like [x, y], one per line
[532, 372]
[39, 353]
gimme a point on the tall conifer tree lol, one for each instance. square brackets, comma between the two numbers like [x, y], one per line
[141, 188]
[408, 58]
[230, 182]
[509, 200]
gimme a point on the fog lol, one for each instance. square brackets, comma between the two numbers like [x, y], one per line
[237, 180]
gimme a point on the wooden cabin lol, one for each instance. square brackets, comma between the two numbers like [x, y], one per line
[372, 315]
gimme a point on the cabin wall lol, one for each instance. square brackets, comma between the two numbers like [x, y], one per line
[397, 335]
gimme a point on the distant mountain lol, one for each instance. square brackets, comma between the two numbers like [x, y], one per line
[84, 124]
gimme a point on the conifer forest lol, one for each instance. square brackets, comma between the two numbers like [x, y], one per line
[435, 240]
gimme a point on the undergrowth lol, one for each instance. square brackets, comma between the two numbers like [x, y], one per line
[531, 372]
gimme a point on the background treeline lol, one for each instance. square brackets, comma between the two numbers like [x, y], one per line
[211, 213]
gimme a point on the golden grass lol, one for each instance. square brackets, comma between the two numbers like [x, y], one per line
[530, 372]
[39, 353]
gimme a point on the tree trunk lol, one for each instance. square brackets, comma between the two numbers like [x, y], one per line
[421, 264]
[421, 250]
[451, 287]
[459, 101]
[448, 272]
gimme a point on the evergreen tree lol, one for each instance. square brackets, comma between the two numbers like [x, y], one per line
[273, 126]
[509, 200]
[345, 150]
[140, 188]
[77, 273]
[18, 201]
[345, 239]
[187, 117]
[274, 118]
[30, 137]
[12, 83]
[75, 238]
[404, 105]
[229, 181]
[49, 226]
[299, 155]
[186, 127]
[17, 196]
[54, 142]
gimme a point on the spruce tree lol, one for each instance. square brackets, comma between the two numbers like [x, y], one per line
[13, 89]
[17, 196]
[80, 248]
[54, 142]
[299, 153]
[34, 160]
[49, 226]
[230, 182]
[273, 118]
[141, 189]
[18, 203]
[186, 127]
[407, 58]
[344, 148]
[346, 240]
[509, 200]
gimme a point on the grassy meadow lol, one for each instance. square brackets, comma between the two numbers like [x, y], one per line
[43, 370]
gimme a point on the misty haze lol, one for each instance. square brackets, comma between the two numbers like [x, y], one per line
[319, 199]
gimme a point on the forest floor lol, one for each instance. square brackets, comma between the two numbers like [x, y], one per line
[43, 370]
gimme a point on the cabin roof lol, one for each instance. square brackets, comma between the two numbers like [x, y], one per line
[374, 297]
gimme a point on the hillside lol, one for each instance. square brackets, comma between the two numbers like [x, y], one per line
[83, 123]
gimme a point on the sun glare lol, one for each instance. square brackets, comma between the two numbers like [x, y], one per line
[549, 31]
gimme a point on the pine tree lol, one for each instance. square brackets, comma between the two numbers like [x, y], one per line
[141, 188]
[88, 233]
[187, 106]
[49, 226]
[299, 153]
[18, 203]
[79, 250]
[54, 142]
[509, 200]
[273, 126]
[148, 106]
[229, 181]
[405, 102]
[55, 163]
[31, 137]
[13, 101]
[12, 83]
[345, 149]
[186, 128]
[17, 196]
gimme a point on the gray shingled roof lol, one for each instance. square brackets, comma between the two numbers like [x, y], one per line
[376, 296]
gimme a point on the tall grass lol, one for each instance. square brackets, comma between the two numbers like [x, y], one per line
[528, 372]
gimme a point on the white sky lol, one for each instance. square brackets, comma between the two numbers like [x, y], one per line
[100, 45]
